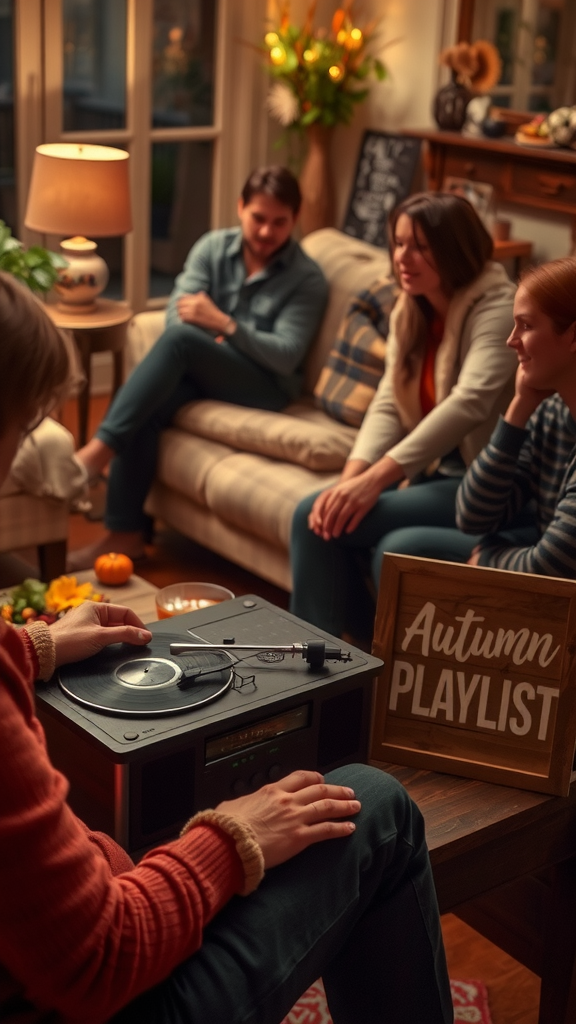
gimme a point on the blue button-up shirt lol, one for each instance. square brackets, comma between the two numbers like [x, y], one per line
[277, 311]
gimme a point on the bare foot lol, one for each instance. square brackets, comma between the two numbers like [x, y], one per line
[131, 544]
[95, 456]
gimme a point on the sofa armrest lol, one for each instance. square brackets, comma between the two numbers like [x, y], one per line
[143, 331]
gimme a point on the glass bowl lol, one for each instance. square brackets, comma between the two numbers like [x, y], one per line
[179, 598]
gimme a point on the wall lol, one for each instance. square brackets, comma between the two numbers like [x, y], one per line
[411, 34]
[404, 100]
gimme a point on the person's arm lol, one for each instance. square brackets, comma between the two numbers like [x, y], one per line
[84, 942]
[301, 303]
[195, 277]
[503, 479]
[498, 483]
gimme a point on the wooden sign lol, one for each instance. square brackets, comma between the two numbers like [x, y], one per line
[384, 176]
[479, 674]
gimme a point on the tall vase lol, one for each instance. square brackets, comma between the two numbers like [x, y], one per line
[450, 105]
[316, 184]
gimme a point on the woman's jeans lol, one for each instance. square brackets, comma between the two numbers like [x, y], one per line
[360, 912]
[329, 578]
[185, 364]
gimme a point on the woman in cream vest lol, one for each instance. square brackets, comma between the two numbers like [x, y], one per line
[448, 375]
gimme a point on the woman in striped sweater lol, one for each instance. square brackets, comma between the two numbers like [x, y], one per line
[519, 495]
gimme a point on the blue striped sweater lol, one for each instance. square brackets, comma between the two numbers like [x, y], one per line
[516, 466]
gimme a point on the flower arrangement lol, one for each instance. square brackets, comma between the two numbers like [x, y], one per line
[477, 65]
[32, 599]
[314, 69]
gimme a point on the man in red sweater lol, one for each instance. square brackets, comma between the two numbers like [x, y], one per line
[85, 935]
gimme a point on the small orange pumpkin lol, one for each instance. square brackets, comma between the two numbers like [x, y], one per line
[113, 569]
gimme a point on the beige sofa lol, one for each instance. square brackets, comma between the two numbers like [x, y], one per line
[229, 477]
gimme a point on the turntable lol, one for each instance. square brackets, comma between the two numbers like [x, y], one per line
[147, 736]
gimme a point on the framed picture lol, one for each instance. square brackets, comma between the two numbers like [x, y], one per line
[479, 193]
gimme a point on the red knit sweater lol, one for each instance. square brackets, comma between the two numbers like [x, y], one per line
[83, 931]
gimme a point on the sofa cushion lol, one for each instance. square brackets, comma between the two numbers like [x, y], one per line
[356, 361]
[259, 495]
[184, 462]
[320, 446]
[349, 265]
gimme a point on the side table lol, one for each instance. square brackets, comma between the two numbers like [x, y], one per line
[137, 594]
[515, 249]
[103, 330]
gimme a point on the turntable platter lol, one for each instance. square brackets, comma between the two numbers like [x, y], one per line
[148, 680]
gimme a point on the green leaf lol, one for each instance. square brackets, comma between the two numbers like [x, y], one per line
[310, 116]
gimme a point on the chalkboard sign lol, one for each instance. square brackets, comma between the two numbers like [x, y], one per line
[478, 676]
[384, 176]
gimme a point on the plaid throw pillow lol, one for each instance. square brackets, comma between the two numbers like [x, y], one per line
[356, 361]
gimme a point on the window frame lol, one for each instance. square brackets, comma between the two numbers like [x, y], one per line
[238, 133]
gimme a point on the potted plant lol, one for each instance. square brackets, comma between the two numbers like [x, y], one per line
[35, 267]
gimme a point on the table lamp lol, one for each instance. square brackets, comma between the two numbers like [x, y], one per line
[81, 190]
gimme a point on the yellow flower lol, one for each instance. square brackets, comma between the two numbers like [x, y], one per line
[6, 612]
[65, 592]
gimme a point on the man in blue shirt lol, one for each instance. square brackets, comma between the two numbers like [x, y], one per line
[239, 323]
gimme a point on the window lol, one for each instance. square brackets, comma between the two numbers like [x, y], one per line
[171, 81]
[536, 40]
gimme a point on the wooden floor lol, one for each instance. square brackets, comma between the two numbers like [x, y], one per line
[513, 990]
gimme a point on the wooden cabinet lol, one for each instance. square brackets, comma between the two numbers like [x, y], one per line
[539, 178]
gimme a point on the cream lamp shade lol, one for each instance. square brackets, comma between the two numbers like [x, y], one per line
[83, 191]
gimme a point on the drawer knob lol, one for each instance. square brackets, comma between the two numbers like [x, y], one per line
[470, 169]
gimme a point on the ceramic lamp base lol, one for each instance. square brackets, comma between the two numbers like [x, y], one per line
[86, 276]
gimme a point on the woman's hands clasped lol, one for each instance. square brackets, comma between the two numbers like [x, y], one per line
[340, 508]
[292, 814]
[91, 626]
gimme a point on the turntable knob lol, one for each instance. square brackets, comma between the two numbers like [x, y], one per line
[258, 779]
[275, 772]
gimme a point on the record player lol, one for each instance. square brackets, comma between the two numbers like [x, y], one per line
[147, 736]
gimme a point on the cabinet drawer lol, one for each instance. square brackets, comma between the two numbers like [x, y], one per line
[472, 164]
[547, 184]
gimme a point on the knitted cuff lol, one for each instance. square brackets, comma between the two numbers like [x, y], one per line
[42, 641]
[247, 845]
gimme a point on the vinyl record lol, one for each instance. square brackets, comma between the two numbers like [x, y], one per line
[141, 681]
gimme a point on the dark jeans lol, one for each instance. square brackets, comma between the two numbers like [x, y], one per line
[185, 364]
[360, 912]
[329, 577]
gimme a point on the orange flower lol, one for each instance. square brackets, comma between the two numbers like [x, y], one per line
[65, 592]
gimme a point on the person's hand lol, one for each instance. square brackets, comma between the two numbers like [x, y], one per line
[475, 556]
[341, 507]
[526, 400]
[199, 309]
[85, 630]
[292, 814]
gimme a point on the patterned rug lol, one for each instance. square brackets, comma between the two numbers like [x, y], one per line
[470, 1000]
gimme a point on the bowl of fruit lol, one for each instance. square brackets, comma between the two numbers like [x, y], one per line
[535, 132]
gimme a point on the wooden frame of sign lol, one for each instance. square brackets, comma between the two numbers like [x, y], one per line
[478, 676]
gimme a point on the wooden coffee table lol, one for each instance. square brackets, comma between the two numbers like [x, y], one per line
[136, 594]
